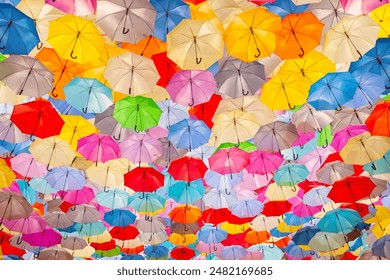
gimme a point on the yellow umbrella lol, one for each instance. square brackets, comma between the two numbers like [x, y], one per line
[52, 151]
[81, 163]
[235, 126]
[381, 16]
[264, 223]
[252, 34]
[182, 239]
[312, 66]
[76, 39]
[350, 38]
[285, 92]
[100, 238]
[195, 44]
[107, 174]
[274, 192]
[283, 227]
[86, 252]
[381, 220]
[225, 10]
[203, 11]
[365, 148]
[6, 174]
[249, 104]
[75, 127]
[234, 228]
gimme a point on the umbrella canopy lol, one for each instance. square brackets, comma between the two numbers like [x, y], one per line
[14, 23]
[144, 179]
[98, 147]
[9, 132]
[339, 220]
[189, 134]
[252, 34]
[7, 175]
[126, 21]
[187, 169]
[308, 119]
[228, 161]
[351, 189]
[75, 7]
[379, 118]
[13, 206]
[195, 44]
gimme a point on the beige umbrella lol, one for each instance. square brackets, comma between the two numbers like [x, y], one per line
[131, 73]
[350, 38]
[13, 206]
[349, 116]
[274, 192]
[107, 174]
[308, 119]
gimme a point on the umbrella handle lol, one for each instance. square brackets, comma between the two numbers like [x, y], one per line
[258, 53]
[339, 109]
[373, 166]
[72, 56]
[117, 139]
[192, 102]
[72, 208]
[105, 189]
[85, 110]
[136, 130]
[150, 238]
[295, 156]
[32, 138]
[186, 228]
[36, 255]
[326, 144]
[125, 31]
[39, 46]
[294, 188]
[291, 107]
[215, 248]
[198, 61]
[54, 94]
[312, 253]
[19, 240]
[303, 53]
[2, 47]
[242, 228]
[142, 196]
[369, 106]
[48, 168]
[245, 93]
[227, 192]
[273, 245]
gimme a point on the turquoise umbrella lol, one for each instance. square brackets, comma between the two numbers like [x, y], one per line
[90, 229]
[146, 203]
[88, 95]
[113, 198]
[186, 192]
[382, 165]
[291, 174]
[339, 220]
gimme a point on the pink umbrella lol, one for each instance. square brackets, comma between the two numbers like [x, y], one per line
[191, 87]
[141, 147]
[342, 136]
[27, 166]
[304, 210]
[75, 7]
[253, 255]
[357, 7]
[32, 224]
[264, 163]
[228, 161]
[98, 148]
[46, 238]
[209, 248]
[83, 196]
[314, 160]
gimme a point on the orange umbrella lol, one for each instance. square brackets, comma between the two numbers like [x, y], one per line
[300, 34]
[63, 70]
[379, 120]
[185, 214]
[147, 46]
[257, 237]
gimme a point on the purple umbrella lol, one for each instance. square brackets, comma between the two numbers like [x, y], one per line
[191, 87]
[65, 179]
[342, 136]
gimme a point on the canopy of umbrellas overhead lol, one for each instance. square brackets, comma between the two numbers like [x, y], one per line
[190, 129]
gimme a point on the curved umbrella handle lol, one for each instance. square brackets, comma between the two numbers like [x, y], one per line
[125, 31]
[242, 228]
[295, 156]
[319, 130]
[294, 188]
[258, 53]
[48, 168]
[150, 238]
[54, 94]
[192, 102]
[136, 130]
[369, 105]
[142, 196]
[198, 61]
[2, 47]
[302, 53]
[117, 139]
[273, 245]
[215, 248]
[227, 192]
[291, 107]
[72, 56]
[105, 189]
[19, 240]
[373, 166]
[326, 144]
[31, 138]
[245, 93]
[339, 109]
[85, 110]
[39, 46]
[72, 208]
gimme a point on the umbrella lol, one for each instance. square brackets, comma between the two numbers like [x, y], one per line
[126, 21]
[300, 34]
[113, 199]
[218, 198]
[186, 192]
[65, 179]
[333, 171]
[291, 174]
[308, 119]
[349, 116]
[13, 206]
[195, 44]
[233, 252]
[52, 151]
[54, 253]
[165, 67]
[380, 16]
[84, 214]
[228, 161]
[75, 7]
[171, 113]
[379, 119]
[20, 73]
[9, 132]
[247, 208]
[191, 87]
[185, 214]
[7, 175]
[25, 165]
[380, 247]
[138, 113]
[342, 136]
[169, 152]
[361, 6]
[339, 220]
[169, 14]
[83, 196]
[147, 47]
[46, 238]
[327, 242]
[187, 169]
[351, 189]
[132, 74]
[252, 34]
[144, 179]
[350, 38]
[275, 137]
[283, 8]
[98, 147]
[147, 203]
[285, 92]
[13, 23]
[332, 91]
[75, 38]
[88, 95]
[189, 134]
[119, 217]
[235, 78]
[58, 220]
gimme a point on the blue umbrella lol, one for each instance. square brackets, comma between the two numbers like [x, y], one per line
[291, 174]
[13, 2]
[270, 253]
[14, 149]
[113, 198]
[332, 91]
[304, 235]
[222, 181]
[376, 61]
[65, 178]
[41, 185]
[211, 234]
[278, 234]
[65, 108]
[169, 14]
[186, 192]
[247, 208]
[382, 165]
[296, 252]
[370, 87]
[381, 247]
[189, 134]
[132, 257]
[156, 251]
[119, 217]
[284, 7]
[146, 203]
[27, 191]
[18, 34]
[233, 252]
[339, 220]
[293, 220]
[88, 95]
[90, 229]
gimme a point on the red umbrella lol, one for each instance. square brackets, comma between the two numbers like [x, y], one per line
[206, 111]
[182, 253]
[361, 208]
[124, 233]
[276, 208]
[165, 67]
[351, 189]
[38, 118]
[106, 246]
[236, 239]
[144, 179]
[378, 121]
[7, 248]
[187, 169]
[215, 216]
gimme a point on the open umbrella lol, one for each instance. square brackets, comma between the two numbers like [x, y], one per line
[379, 119]
[228, 161]
[75, 7]
[98, 147]
[351, 189]
[9, 132]
[186, 192]
[144, 179]
[189, 134]
[140, 147]
[187, 169]
[26, 165]
[126, 21]
[7, 175]
[13, 206]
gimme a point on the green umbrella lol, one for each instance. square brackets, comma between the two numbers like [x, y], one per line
[138, 113]
[2, 57]
[325, 137]
[245, 146]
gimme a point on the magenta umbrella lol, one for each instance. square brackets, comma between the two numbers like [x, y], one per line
[27, 166]
[98, 148]
[191, 87]
[342, 136]
[83, 196]
[141, 147]
[357, 7]
[75, 7]
[46, 238]
[263, 163]
[32, 224]
[228, 161]
[303, 210]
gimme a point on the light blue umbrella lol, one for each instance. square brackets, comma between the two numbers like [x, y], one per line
[233, 252]
[156, 252]
[88, 95]
[189, 134]
[247, 208]
[211, 234]
[270, 253]
[90, 229]
[291, 174]
[339, 220]
[169, 14]
[382, 165]
[293, 220]
[119, 217]
[220, 181]
[171, 113]
[13, 2]
[65, 108]
[41, 185]
[146, 202]
[113, 198]
[65, 178]
[297, 252]
[27, 191]
[186, 192]
[332, 91]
